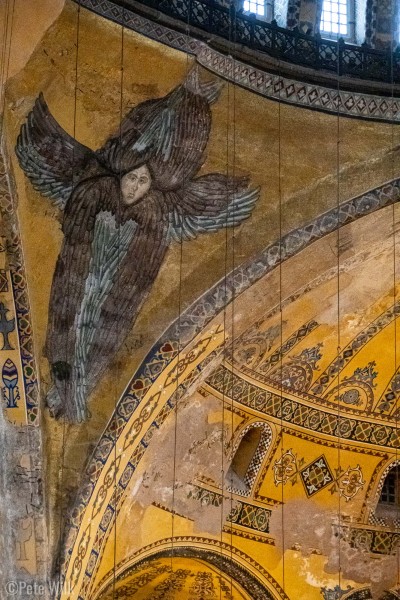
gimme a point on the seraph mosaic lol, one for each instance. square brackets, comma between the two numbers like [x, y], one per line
[122, 207]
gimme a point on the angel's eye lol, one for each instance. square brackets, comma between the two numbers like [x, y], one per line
[132, 177]
[143, 180]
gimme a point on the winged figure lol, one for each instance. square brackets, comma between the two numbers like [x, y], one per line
[122, 207]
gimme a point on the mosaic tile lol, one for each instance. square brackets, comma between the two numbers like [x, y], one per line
[316, 476]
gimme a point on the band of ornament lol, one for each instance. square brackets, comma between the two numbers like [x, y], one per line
[275, 87]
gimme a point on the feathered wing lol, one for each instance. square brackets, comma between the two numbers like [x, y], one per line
[49, 156]
[210, 203]
[138, 268]
[169, 135]
[71, 282]
[109, 247]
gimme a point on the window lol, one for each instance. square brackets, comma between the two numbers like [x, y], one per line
[256, 7]
[388, 507]
[390, 490]
[335, 18]
[245, 453]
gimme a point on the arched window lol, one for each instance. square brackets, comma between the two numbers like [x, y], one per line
[247, 458]
[390, 494]
[388, 507]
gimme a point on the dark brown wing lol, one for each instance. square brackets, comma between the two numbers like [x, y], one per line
[50, 157]
[72, 266]
[169, 135]
[209, 203]
[136, 274]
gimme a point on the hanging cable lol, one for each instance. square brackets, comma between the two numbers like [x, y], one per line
[180, 283]
[233, 265]
[396, 415]
[5, 61]
[338, 295]
[281, 258]
[118, 276]
[64, 424]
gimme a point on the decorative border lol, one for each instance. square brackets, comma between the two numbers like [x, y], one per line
[268, 85]
[20, 291]
[282, 407]
[244, 514]
[227, 565]
[195, 546]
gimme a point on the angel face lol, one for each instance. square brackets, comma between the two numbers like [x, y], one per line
[135, 184]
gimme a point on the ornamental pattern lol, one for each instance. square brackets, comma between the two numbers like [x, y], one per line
[291, 411]
[20, 292]
[243, 514]
[274, 87]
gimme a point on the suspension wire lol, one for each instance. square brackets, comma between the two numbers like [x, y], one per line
[5, 61]
[225, 444]
[118, 282]
[280, 223]
[64, 424]
[233, 266]
[338, 333]
[180, 282]
[394, 239]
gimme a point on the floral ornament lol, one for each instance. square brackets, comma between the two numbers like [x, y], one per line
[287, 468]
[348, 483]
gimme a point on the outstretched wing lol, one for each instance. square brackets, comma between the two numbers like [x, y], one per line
[50, 157]
[210, 203]
[169, 134]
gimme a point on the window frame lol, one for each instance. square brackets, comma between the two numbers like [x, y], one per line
[350, 35]
[257, 3]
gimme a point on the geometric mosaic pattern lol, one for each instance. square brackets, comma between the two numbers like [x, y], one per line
[276, 357]
[226, 564]
[290, 91]
[291, 411]
[316, 476]
[355, 346]
[220, 554]
[244, 514]
[20, 293]
[3, 281]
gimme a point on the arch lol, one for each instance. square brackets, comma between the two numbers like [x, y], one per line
[247, 456]
[169, 370]
[246, 572]
[378, 514]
